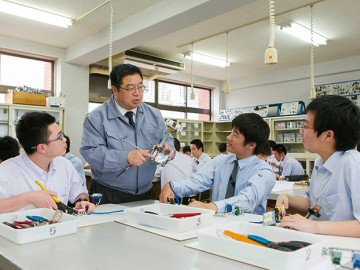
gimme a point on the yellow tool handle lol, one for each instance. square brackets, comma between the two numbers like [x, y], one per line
[241, 238]
[43, 188]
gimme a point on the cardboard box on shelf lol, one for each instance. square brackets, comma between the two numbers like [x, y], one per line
[25, 98]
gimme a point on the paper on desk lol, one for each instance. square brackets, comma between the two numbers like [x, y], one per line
[88, 220]
[282, 185]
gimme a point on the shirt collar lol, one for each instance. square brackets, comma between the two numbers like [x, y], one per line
[331, 164]
[122, 110]
[245, 161]
[29, 163]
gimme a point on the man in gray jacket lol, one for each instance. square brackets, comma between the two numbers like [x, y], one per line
[118, 137]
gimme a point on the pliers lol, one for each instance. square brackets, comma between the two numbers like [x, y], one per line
[282, 246]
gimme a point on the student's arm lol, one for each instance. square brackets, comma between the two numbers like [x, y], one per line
[297, 203]
[349, 228]
[40, 199]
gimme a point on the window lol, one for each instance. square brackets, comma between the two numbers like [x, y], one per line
[174, 100]
[16, 70]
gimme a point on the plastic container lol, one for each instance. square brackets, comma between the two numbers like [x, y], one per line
[164, 221]
[68, 224]
[211, 240]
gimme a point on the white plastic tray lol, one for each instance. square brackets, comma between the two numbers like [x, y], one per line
[137, 215]
[68, 224]
[210, 241]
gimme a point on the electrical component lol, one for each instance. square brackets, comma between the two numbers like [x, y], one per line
[271, 56]
[336, 257]
[356, 260]
[271, 52]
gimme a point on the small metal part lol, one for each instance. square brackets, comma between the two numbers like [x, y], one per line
[56, 217]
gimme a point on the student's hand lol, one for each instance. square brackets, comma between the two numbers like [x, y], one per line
[283, 199]
[88, 206]
[299, 223]
[168, 147]
[165, 193]
[198, 204]
[43, 199]
[138, 157]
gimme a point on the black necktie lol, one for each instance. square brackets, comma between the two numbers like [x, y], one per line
[230, 192]
[129, 115]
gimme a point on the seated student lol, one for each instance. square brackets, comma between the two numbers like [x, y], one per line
[239, 178]
[44, 144]
[289, 164]
[75, 161]
[180, 166]
[265, 153]
[187, 150]
[9, 147]
[223, 148]
[331, 130]
[197, 151]
[271, 160]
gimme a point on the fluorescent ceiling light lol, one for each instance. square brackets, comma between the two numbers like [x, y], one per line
[34, 14]
[304, 33]
[199, 57]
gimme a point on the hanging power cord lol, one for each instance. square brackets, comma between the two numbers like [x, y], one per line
[192, 94]
[312, 79]
[271, 52]
[227, 89]
[110, 40]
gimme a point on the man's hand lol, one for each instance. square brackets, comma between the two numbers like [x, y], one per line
[138, 157]
[42, 199]
[283, 199]
[165, 193]
[88, 206]
[299, 223]
[197, 204]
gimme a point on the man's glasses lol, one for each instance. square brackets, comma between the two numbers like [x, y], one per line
[131, 89]
[305, 127]
[60, 137]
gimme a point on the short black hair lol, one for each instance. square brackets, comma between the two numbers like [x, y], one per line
[186, 148]
[222, 147]
[339, 114]
[9, 147]
[120, 71]
[266, 151]
[32, 129]
[279, 148]
[253, 128]
[176, 144]
[199, 144]
[67, 144]
[271, 143]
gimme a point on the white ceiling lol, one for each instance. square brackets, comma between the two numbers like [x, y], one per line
[167, 28]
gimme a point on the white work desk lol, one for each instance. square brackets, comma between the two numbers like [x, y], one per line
[117, 246]
[295, 191]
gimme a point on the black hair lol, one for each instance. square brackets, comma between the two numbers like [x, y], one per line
[253, 128]
[199, 144]
[222, 147]
[279, 148]
[176, 144]
[186, 148]
[32, 129]
[266, 151]
[120, 71]
[9, 147]
[339, 114]
[271, 143]
[67, 144]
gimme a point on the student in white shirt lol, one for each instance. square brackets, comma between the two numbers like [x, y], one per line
[44, 145]
[197, 151]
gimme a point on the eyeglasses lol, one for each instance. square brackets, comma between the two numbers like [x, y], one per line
[131, 89]
[60, 137]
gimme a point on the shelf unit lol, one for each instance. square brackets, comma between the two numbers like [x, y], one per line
[11, 113]
[214, 133]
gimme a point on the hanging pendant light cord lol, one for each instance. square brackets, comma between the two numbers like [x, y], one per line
[110, 39]
[312, 80]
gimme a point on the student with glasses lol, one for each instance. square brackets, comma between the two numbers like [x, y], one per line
[44, 145]
[331, 130]
[118, 137]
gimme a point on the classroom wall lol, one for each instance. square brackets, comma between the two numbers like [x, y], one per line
[72, 81]
[289, 85]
